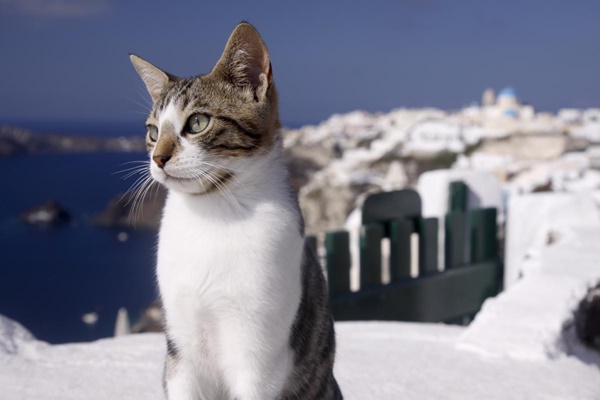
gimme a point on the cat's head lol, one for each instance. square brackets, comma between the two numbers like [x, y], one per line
[205, 130]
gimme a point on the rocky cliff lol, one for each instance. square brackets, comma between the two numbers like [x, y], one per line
[17, 141]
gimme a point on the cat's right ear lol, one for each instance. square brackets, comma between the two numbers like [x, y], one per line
[245, 61]
[157, 81]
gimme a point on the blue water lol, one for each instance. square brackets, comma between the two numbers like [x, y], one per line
[50, 277]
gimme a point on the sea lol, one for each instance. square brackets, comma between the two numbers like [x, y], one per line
[51, 277]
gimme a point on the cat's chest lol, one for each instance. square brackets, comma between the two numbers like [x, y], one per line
[201, 259]
[205, 260]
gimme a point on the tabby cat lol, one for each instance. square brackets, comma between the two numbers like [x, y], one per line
[245, 300]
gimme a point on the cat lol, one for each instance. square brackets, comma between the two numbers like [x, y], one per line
[245, 300]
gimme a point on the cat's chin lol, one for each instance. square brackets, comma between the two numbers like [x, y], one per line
[186, 186]
[191, 186]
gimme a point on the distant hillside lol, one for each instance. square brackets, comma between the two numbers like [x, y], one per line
[16, 141]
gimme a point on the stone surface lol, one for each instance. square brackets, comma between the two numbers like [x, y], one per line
[49, 213]
[127, 210]
[17, 141]
[587, 318]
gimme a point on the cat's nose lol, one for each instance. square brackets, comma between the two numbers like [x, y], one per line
[161, 160]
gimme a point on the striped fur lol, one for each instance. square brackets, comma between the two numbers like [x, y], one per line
[312, 338]
[246, 302]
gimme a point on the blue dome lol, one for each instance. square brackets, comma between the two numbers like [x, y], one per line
[507, 92]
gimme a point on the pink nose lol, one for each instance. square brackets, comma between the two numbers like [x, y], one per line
[161, 160]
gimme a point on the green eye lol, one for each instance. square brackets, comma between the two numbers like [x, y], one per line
[197, 123]
[152, 132]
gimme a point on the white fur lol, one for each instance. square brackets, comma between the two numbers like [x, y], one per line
[229, 277]
[173, 115]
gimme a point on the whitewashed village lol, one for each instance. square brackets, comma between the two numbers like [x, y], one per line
[527, 151]
[540, 170]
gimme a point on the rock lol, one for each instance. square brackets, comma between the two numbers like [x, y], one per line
[587, 319]
[122, 324]
[530, 147]
[305, 161]
[124, 210]
[90, 318]
[151, 319]
[336, 164]
[331, 193]
[49, 213]
[13, 336]
[16, 141]
[395, 177]
[10, 147]
[325, 208]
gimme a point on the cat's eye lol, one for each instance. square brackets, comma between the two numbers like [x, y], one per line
[152, 132]
[197, 123]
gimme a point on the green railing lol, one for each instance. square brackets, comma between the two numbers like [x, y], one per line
[472, 267]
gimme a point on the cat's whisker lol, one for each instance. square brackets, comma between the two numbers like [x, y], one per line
[199, 179]
[201, 170]
[152, 187]
[258, 147]
[199, 175]
[156, 190]
[218, 184]
[135, 162]
[145, 173]
[131, 191]
[131, 174]
[138, 188]
[135, 197]
[142, 198]
[130, 215]
[140, 164]
[135, 210]
[138, 112]
[136, 172]
[145, 96]
[132, 170]
[211, 163]
[146, 107]
[134, 187]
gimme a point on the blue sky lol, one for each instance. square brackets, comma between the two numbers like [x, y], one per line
[67, 59]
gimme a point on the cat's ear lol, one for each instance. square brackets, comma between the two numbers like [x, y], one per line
[245, 61]
[157, 81]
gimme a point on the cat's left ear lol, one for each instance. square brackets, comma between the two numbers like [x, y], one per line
[245, 61]
[157, 81]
